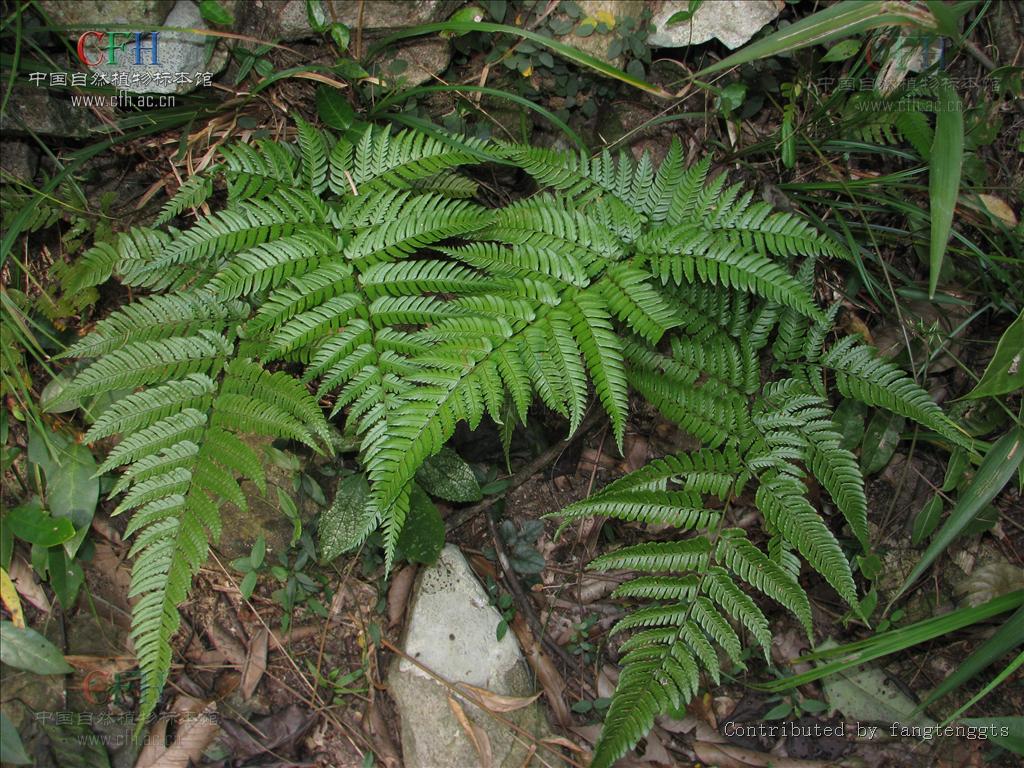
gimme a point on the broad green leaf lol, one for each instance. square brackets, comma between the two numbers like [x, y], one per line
[448, 477]
[850, 418]
[947, 156]
[1000, 463]
[24, 648]
[215, 13]
[1007, 732]
[72, 488]
[11, 749]
[340, 35]
[422, 537]
[869, 694]
[842, 51]
[316, 13]
[927, 520]
[680, 17]
[1005, 371]
[333, 108]
[880, 440]
[50, 400]
[66, 576]
[349, 520]
[31, 523]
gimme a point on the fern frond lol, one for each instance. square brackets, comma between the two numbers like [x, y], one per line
[862, 375]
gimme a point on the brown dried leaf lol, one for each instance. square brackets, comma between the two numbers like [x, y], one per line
[195, 732]
[27, 585]
[477, 736]
[545, 670]
[255, 663]
[496, 702]
[398, 594]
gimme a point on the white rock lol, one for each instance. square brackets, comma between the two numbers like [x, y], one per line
[733, 22]
[451, 631]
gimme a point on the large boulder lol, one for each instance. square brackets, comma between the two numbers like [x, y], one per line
[451, 631]
[89, 13]
[182, 58]
[733, 22]
[289, 19]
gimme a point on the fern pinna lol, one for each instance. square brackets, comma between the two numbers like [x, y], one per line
[362, 264]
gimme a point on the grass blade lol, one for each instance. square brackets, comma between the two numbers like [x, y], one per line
[995, 471]
[840, 20]
[1008, 637]
[565, 51]
[944, 176]
[875, 647]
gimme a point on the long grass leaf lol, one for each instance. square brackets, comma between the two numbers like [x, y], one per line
[840, 20]
[875, 647]
[995, 471]
[1008, 637]
[944, 177]
[565, 51]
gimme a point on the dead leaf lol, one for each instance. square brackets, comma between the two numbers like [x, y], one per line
[196, 730]
[998, 208]
[9, 596]
[607, 679]
[398, 594]
[730, 756]
[377, 729]
[561, 741]
[496, 702]
[273, 733]
[655, 751]
[545, 670]
[27, 585]
[255, 662]
[109, 665]
[227, 644]
[477, 736]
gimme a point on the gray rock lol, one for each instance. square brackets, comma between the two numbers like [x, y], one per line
[19, 160]
[289, 20]
[733, 22]
[34, 109]
[177, 53]
[87, 13]
[424, 59]
[451, 631]
[595, 43]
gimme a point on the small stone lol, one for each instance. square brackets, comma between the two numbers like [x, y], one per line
[451, 631]
[733, 22]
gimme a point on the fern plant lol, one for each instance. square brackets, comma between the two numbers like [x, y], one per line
[358, 271]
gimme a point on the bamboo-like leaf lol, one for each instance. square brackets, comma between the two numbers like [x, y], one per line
[944, 175]
[995, 471]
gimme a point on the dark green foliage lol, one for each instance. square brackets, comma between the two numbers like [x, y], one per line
[359, 260]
